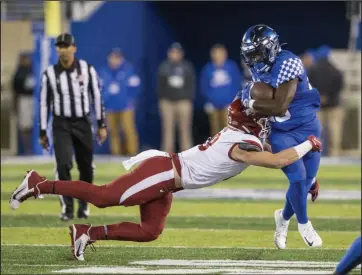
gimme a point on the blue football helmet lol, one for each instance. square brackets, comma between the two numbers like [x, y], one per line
[259, 48]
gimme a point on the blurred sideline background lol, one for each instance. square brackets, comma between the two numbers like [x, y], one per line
[144, 32]
[228, 221]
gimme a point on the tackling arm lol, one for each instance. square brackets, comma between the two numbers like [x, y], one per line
[278, 106]
[279, 160]
[267, 147]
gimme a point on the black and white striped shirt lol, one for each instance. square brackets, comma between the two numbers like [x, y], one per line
[69, 92]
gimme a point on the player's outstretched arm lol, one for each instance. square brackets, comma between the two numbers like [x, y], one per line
[267, 147]
[277, 106]
[279, 160]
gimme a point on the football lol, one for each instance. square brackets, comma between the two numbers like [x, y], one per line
[262, 91]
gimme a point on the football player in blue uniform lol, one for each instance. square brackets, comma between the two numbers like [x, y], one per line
[292, 110]
[351, 259]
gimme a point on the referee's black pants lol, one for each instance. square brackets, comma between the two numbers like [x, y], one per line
[73, 135]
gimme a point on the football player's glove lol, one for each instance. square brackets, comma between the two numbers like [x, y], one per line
[316, 144]
[314, 191]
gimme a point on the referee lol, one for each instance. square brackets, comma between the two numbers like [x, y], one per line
[68, 89]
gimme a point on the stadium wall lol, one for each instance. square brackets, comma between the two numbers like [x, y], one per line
[144, 30]
[144, 38]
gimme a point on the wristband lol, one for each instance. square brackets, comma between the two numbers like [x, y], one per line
[303, 148]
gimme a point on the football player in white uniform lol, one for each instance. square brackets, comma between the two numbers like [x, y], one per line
[160, 174]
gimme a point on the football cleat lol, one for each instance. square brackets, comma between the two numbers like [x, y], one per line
[66, 217]
[79, 234]
[309, 235]
[281, 229]
[28, 188]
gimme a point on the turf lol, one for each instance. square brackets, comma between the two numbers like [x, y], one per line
[201, 222]
[330, 177]
[182, 207]
[35, 241]
[121, 256]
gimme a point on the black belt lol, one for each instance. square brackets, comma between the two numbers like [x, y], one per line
[73, 118]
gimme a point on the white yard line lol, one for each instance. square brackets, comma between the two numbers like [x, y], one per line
[261, 194]
[138, 270]
[245, 230]
[235, 263]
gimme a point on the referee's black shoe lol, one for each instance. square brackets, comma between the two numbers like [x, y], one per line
[66, 217]
[82, 215]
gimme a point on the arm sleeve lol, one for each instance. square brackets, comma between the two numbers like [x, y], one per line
[95, 92]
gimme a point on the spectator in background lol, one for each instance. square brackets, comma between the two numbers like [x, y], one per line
[309, 58]
[2, 76]
[23, 87]
[176, 89]
[329, 81]
[220, 80]
[121, 85]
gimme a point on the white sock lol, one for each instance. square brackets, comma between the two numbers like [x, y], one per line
[301, 227]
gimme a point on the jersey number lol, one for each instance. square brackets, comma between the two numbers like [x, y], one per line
[287, 115]
[209, 142]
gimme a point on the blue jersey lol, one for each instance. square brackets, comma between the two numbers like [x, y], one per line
[120, 87]
[306, 101]
[219, 83]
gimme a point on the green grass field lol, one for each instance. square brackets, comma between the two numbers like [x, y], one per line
[209, 236]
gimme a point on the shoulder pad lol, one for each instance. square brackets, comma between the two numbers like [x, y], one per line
[287, 67]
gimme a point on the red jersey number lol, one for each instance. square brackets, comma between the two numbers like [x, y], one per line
[209, 142]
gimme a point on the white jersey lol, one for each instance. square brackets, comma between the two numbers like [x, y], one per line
[211, 162]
